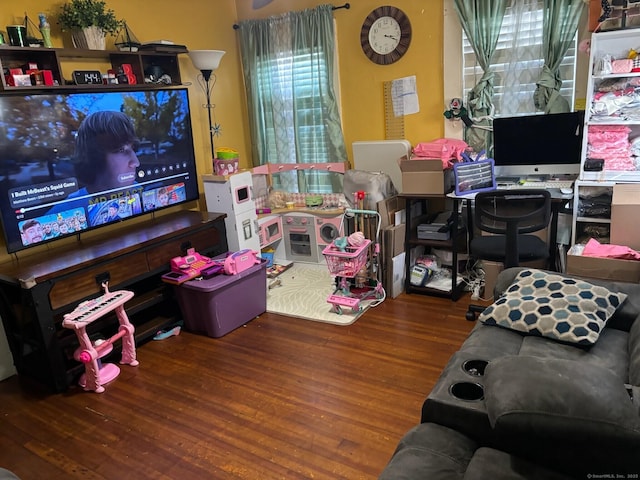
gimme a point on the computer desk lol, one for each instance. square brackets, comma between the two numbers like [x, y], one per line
[558, 200]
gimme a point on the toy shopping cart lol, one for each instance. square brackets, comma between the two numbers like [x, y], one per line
[353, 261]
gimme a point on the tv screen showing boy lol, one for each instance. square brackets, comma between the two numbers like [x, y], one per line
[94, 157]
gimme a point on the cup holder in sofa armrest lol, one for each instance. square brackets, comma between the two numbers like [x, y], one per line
[475, 367]
[467, 391]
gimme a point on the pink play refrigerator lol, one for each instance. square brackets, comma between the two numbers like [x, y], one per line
[220, 304]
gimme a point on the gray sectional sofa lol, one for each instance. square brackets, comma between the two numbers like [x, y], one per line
[547, 385]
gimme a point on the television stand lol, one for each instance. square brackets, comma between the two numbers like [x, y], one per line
[38, 290]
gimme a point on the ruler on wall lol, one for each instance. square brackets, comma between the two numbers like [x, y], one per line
[393, 124]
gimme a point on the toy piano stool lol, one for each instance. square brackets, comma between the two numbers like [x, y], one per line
[96, 373]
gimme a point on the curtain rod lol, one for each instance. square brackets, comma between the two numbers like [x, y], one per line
[346, 6]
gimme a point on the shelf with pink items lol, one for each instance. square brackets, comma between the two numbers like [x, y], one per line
[611, 140]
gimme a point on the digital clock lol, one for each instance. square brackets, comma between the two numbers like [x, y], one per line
[87, 77]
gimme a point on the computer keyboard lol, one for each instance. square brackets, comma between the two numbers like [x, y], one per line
[545, 185]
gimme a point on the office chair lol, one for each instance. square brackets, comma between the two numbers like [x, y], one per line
[510, 217]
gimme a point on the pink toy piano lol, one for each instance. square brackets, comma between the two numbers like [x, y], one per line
[97, 374]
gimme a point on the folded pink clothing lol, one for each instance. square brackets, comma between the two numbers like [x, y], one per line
[446, 149]
[593, 248]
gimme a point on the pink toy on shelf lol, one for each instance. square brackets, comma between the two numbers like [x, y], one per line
[96, 374]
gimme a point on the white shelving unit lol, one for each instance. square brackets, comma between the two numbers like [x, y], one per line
[617, 45]
[588, 224]
[601, 111]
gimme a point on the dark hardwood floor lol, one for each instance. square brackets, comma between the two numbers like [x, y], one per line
[280, 398]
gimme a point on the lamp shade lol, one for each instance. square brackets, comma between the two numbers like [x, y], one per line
[206, 59]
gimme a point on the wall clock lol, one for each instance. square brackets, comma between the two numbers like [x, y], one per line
[385, 35]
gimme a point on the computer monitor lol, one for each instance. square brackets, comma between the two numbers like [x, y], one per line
[548, 144]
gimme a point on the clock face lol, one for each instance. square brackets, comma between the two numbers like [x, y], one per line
[385, 35]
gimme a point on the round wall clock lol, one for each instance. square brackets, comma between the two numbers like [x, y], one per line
[385, 35]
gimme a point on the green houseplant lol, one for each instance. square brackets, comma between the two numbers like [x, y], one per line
[89, 21]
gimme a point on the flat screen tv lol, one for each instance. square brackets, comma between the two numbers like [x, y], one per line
[76, 161]
[548, 144]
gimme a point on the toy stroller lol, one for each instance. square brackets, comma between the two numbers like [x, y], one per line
[353, 261]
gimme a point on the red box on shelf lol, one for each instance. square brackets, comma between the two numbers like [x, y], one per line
[47, 76]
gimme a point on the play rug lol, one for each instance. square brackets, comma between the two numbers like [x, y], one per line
[303, 293]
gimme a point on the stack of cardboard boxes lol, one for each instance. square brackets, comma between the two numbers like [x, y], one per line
[392, 228]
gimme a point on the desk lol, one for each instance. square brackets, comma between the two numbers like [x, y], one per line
[558, 202]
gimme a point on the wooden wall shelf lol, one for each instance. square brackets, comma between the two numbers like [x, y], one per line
[58, 61]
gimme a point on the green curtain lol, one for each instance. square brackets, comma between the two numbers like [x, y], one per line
[277, 104]
[481, 21]
[560, 23]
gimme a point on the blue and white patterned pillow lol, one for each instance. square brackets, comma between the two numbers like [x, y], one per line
[549, 305]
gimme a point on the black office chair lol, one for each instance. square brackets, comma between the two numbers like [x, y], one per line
[510, 216]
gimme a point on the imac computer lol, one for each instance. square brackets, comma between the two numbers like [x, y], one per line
[538, 145]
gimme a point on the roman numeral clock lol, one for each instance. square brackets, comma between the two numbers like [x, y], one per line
[385, 35]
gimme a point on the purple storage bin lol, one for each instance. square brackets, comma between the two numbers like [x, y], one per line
[216, 306]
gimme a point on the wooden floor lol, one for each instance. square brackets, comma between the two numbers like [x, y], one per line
[280, 398]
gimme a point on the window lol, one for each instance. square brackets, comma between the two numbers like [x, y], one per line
[293, 88]
[289, 64]
[297, 83]
[518, 60]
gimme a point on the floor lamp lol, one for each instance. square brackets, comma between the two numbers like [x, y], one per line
[207, 62]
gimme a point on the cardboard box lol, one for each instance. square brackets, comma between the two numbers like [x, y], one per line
[393, 240]
[392, 245]
[493, 269]
[388, 208]
[394, 282]
[425, 177]
[625, 206]
[604, 268]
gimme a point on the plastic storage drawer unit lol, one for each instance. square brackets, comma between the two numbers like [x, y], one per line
[223, 303]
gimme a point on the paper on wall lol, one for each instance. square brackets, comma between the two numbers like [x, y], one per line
[404, 96]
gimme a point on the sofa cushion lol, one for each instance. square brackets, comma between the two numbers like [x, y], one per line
[561, 397]
[610, 351]
[563, 410]
[499, 465]
[634, 353]
[434, 452]
[429, 450]
[554, 306]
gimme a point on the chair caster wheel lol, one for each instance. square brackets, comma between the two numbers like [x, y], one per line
[471, 316]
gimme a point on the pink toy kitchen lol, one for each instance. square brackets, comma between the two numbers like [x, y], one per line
[270, 210]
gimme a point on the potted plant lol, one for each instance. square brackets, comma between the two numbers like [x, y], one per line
[89, 21]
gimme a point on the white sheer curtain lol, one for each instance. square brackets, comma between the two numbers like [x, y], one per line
[520, 56]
